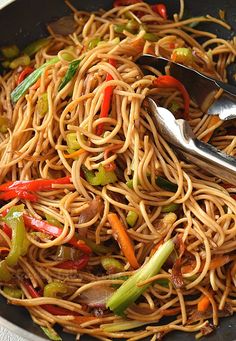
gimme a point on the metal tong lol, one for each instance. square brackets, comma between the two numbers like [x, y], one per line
[179, 133]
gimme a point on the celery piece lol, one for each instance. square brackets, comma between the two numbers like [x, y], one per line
[131, 218]
[35, 46]
[13, 292]
[170, 208]
[51, 334]
[129, 292]
[112, 265]
[20, 61]
[42, 104]
[93, 43]
[10, 52]
[72, 142]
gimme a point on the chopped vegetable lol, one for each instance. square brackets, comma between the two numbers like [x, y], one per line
[72, 142]
[160, 9]
[170, 208]
[129, 292]
[53, 221]
[94, 207]
[34, 185]
[96, 296]
[112, 265]
[18, 193]
[93, 43]
[14, 219]
[4, 124]
[100, 178]
[43, 226]
[182, 55]
[51, 334]
[150, 37]
[35, 46]
[214, 120]
[171, 82]
[66, 253]
[203, 304]
[27, 71]
[21, 89]
[75, 154]
[74, 264]
[123, 239]
[54, 288]
[69, 74]
[98, 248]
[13, 292]
[5, 274]
[105, 108]
[20, 61]
[10, 52]
[42, 104]
[132, 26]
[121, 325]
[166, 184]
[131, 218]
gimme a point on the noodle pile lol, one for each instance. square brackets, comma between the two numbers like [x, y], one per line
[34, 147]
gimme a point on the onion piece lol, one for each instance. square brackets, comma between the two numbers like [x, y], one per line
[63, 26]
[95, 206]
[97, 296]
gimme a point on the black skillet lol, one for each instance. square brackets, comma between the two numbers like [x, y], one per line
[25, 21]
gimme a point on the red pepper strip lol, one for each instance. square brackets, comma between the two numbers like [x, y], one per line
[125, 2]
[228, 186]
[171, 82]
[34, 185]
[6, 229]
[54, 310]
[106, 100]
[18, 193]
[43, 226]
[74, 265]
[28, 70]
[160, 9]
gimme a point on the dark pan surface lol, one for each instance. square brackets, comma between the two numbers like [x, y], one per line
[25, 21]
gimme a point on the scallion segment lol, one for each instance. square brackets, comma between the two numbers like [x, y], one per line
[129, 292]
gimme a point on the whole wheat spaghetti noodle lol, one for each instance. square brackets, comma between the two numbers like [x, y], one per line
[100, 192]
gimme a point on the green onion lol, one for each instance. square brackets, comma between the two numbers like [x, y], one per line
[10, 52]
[69, 74]
[13, 292]
[131, 218]
[166, 184]
[53, 288]
[5, 274]
[121, 325]
[93, 43]
[35, 46]
[20, 61]
[129, 292]
[42, 104]
[3, 124]
[150, 37]
[21, 89]
[170, 208]
[111, 265]
[53, 221]
[51, 334]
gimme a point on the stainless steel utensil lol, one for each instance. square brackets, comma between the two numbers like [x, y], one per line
[179, 134]
[200, 87]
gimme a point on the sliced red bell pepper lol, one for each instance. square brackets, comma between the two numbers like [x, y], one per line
[160, 9]
[28, 70]
[54, 310]
[43, 226]
[34, 185]
[74, 264]
[106, 104]
[17, 193]
[171, 82]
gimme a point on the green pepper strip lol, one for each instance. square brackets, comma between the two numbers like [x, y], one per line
[14, 219]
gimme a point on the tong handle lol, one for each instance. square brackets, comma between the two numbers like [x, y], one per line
[212, 160]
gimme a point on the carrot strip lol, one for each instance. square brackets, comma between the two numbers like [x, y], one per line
[123, 239]
[214, 264]
[83, 319]
[37, 84]
[212, 122]
[75, 154]
[203, 304]
[4, 249]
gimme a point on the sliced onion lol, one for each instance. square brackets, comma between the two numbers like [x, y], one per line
[95, 206]
[97, 296]
[64, 26]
